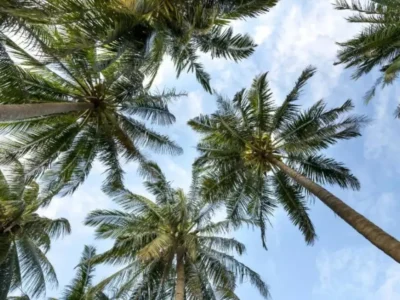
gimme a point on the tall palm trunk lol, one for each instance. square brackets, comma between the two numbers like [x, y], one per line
[180, 277]
[369, 230]
[14, 112]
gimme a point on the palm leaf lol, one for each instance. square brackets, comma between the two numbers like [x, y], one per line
[82, 281]
[292, 200]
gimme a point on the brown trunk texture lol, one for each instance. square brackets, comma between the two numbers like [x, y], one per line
[369, 230]
[180, 277]
[14, 112]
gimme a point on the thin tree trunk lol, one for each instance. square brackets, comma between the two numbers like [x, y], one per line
[369, 230]
[14, 112]
[180, 277]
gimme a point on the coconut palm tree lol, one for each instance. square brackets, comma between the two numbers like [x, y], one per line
[82, 282]
[62, 111]
[25, 236]
[170, 247]
[376, 45]
[265, 154]
[178, 28]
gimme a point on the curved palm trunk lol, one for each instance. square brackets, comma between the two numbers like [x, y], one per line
[180, 277]
[14, 112]
[369, 230]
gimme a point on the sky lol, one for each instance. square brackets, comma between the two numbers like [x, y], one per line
[341, 264]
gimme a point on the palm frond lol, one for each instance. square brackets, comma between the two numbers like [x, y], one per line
[6, 275]
[288, 109]
[186, 58]
[260, 99]
[242, 271]
[35, 268]
[292, 200]
[223, 244]
[221, 42]
[324, 170]
[84, 275]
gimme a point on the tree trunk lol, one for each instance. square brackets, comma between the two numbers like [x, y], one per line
[180, 277]
[14, 112]
[369, 230]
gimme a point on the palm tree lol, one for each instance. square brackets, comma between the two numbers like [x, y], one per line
[81, 284]
[376, 45]
[263, 155]
[63, 111]
[25, 236]
[178, 28]
[170, 247]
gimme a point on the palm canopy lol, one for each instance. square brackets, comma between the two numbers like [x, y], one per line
[25, 236]
[177, 28]
[377, 44]
[244, 138]
[158, 241]
[103, 126]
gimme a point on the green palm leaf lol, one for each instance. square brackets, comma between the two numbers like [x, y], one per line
[292, 200]
[83, 277]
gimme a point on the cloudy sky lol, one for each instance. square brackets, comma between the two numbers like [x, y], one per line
[341, 264]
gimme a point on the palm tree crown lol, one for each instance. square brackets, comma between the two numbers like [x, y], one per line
[245, 137]
[25, 237]
[97, 103]
[178, 28]
[377, 44]
[170, 245]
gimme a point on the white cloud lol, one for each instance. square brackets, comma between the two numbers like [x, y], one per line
[383, 208]
[306, 35]
[262, 33]
[357, 274]
[291, 36]
[376, 206]
[76, 207]
[165, 72]
[180, 177]
[186, 108]
[98, 167]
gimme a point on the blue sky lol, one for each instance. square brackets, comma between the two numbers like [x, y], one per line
[341, 264]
